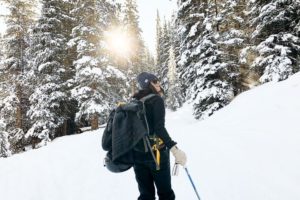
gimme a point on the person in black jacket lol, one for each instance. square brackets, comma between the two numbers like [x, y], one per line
[146, 173]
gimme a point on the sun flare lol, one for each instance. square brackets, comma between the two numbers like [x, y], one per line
[118, 42]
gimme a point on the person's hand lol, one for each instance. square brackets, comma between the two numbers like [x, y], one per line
[180, 157]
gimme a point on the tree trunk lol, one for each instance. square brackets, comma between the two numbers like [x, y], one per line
[65, 128]
[133, 88]
[19, 114]
[216, 9]
[94, 122]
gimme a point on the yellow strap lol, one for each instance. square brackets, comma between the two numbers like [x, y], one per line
[157, 153]
[120, 104]
[157, 142]
[158, 157]
[160, 141]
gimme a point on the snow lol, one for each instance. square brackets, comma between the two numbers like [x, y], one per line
[247, 150]
[184, 5]
[279, 68]
[115, 72]
[208, 26]
[233, 41]
[193, 30]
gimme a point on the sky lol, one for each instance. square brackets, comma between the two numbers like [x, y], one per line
[249, 150]
[147, 11]
[3, 10]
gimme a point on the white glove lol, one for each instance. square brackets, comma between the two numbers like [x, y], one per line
[180, 157]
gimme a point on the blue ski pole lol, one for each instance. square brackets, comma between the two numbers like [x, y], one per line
[187, 172]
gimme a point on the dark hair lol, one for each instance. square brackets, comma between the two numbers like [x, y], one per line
[142, 93]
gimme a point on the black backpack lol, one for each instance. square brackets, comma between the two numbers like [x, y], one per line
[126, 126]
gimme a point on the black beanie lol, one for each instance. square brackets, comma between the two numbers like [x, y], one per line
[144, 79]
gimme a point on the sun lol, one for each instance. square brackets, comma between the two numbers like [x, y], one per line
[118, 42]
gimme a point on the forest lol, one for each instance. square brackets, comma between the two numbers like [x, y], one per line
[65, 64]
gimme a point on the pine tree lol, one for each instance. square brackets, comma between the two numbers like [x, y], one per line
[277, 46]
[164, 56]
[159, 50]
[96, 83]
[15, 39]
[1, 51]
[174, 96]
[1, 58]
[69, 105]
[175, 38]
[18, 21]
[207, 78]
[68, 21]
[8, 110]
[190, 14]
[7, 120]
[114, 28]
[149, 61]
[115, 81]
[131, 23]
[4, 143]
[233, 41]
[46, 72]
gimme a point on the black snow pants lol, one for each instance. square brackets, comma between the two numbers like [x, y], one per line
[148, 177]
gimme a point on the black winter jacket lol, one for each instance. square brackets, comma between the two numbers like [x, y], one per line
[155, 112]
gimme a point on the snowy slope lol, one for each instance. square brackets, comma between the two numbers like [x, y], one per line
[246, 151]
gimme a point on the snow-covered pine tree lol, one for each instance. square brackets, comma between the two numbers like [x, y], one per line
[158, 47]
[175, 38]
[164, 56]
[112, 26]
[68, 21]
[187, 18]
[233, 29]
[206, 77]
[1, 58]
[115, 82]
[9, 112]
[131, 24]
[149, 61]
[174, 95]
[1, 52]
[296, 30]
[45, 74]
[70, 105]
[175, 86]
[96, 83]
[277, 46]
[18, 21]
[4, 143]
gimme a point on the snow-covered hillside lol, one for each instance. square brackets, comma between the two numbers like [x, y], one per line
[249, 150]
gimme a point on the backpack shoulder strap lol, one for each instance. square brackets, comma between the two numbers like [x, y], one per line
[149, 96]
[143, 100]
[146, 137]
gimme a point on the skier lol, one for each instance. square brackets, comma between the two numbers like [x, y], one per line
[145, 168]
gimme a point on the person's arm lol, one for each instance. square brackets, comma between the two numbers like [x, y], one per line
[160, 131]
[159, 122]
